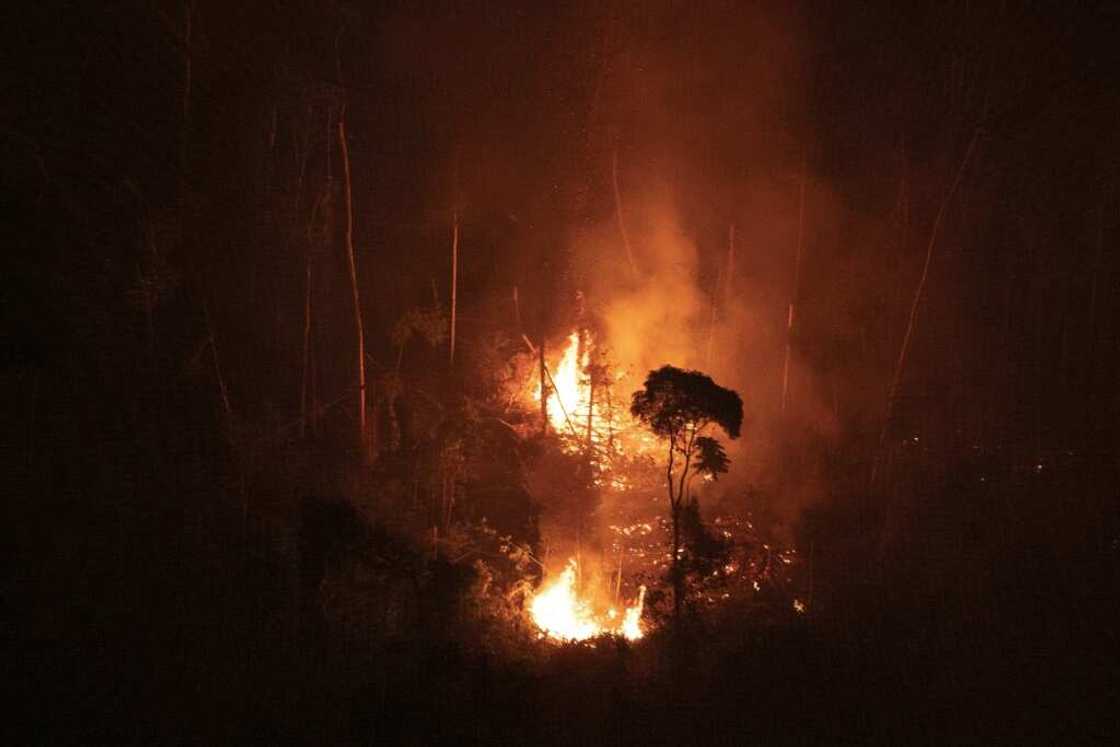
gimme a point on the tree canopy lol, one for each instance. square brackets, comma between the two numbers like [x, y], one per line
[674, 400]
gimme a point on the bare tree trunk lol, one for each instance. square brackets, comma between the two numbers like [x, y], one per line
[618, 215]
[796, 284]
[618, 577]
[304, 381]
[900, 365]
[579, 556]
[223, 393]
[454, 280]
[544, 388]
[314, 394]
[363, 434]
[590, 405]
[723, 281]
[188, 27]
[675, 516]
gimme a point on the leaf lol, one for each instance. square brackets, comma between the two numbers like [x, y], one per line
[711, 459]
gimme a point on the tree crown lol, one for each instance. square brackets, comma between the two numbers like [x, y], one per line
[674, 399]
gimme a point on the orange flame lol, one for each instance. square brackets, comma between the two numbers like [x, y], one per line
[562, 615]
[571, 394]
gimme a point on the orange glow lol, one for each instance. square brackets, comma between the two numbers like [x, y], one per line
[562, 615]
[571, 396]
[587, 412]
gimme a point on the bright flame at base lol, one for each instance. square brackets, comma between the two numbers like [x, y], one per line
[563, 616]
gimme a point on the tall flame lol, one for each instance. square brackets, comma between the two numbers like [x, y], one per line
[571, 395]
[563, 616]
[575, 402]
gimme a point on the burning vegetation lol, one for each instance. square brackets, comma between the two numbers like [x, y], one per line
[564, 614]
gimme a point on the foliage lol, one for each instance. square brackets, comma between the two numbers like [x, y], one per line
[711, 458]
[674, 400]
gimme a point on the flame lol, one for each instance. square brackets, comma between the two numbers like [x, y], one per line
[570, 392]
[563, 616]
[631, 627]
[579, 407]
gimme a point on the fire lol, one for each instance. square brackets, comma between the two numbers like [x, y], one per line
[572, 393]
[582, 407]
[562, 615]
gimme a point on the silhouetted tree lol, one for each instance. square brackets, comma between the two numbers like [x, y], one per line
[679, 405]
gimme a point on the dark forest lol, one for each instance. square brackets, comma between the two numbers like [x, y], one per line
[588, 373]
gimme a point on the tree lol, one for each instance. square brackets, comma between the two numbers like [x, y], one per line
[679, 406]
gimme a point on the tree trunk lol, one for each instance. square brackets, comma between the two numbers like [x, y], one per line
[796, 283]
[454, 281]
[618, 215]
[675, 568]
[544, 389]
[590, 405]
[363, 433]
[918, 292]
[305, 379]
[723, 280]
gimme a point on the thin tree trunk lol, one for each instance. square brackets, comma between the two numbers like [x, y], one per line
[188, 27]
[363, 434]
[723, 281]
[579, 556]
[618, 577]
[674, 515]
[678, 585]
[796, 284]
[560, 404]
[618, 215]
[314, 395]
[454, 280]
[223, 393]
[610, 422]
[544, 389]
[590, 405]
[304, 381]
[900, 365]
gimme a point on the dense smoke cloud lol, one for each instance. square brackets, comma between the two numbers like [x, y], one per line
[707, 143]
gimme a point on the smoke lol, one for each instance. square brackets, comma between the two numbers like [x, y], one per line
[716, 194]
[698, 116]
[653, 313]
